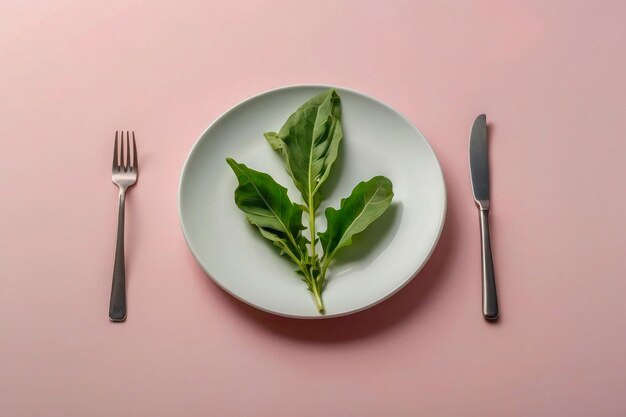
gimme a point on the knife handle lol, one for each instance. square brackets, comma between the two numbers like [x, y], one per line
[490, 297]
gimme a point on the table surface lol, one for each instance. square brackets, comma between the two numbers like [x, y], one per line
[549, 75]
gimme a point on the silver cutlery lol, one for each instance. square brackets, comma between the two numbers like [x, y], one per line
[479, 171]
[124, 175]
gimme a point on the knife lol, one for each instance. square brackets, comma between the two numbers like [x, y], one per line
[479, 172]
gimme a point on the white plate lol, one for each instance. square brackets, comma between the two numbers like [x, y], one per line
[384, 258]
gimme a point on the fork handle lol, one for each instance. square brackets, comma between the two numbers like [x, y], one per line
[117, 306]
[490, 297]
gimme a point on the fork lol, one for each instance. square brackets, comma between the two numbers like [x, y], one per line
[124, 175]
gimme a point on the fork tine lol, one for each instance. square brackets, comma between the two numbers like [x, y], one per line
[128, 165]
[115, 154]
[122, 158]
[135, 162]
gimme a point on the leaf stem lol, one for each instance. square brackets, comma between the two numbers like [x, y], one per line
[322, 276]
[314, 288]
[293, 257]
[312, 225]
[317, 284]
[318, 301]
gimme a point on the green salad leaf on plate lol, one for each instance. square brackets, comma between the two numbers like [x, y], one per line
[308, 143]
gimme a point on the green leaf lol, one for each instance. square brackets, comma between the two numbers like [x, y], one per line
[366, 203]
[267, 206]
[309, 143]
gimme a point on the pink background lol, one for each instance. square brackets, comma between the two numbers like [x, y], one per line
[551, 77]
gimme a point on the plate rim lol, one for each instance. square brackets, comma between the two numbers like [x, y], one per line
[386, 296]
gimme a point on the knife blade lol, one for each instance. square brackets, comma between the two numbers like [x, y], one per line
[479, 163]
[479, 174]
